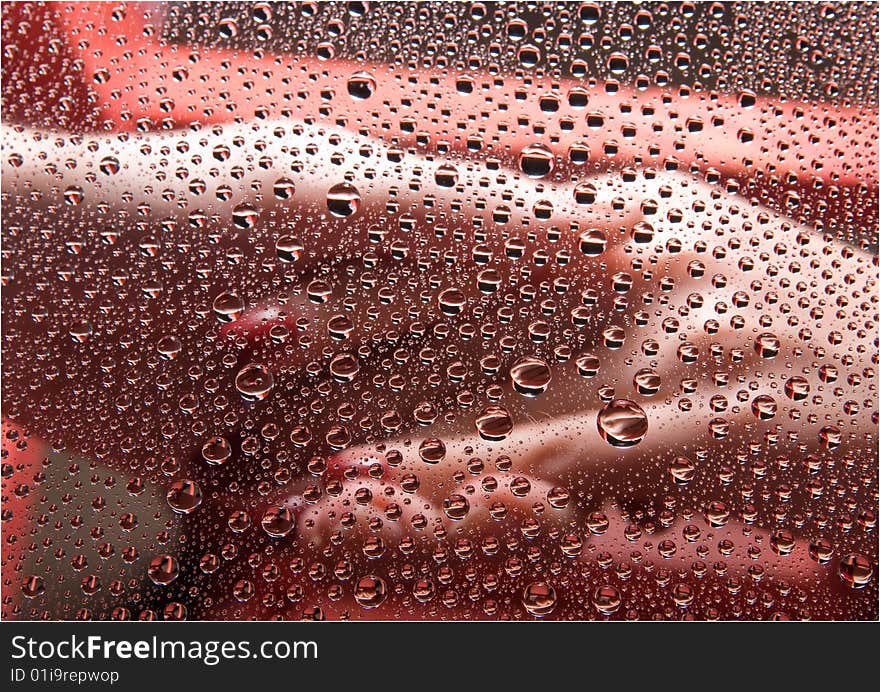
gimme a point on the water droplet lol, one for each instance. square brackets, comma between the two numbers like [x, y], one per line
[254, 382]
[245, 216]
[80, 331]
[228, 307]
[456, 507]
[782, 542]
[682, 470]
[622, 423]
[277, 522]
[646, 382]
[536, 161]
[340, 327]
[643, 232]
[432, 450]
[606, 599]
[169, 347]
[494, 423]
[451, 301]
[109, 165]
[764, 407]
[184, 496]
[216, 451]
[163, 570]
[821, 550]
[33, 587]
[717, 513]
[767, 345]
[530, 376]
[855, 570]
[344, 367]
[587, 365]
[446, 176]
[343, 200]
[371, 591]
[289, 248]
[539, 598]
[283, 189]
[361, 86]
[797, 388]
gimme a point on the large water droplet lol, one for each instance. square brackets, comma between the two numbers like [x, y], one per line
[277, 522]
[539, 598]
[228, 306]
[254, 382]
[216, 451]
[361, 86]
[370, 591]
[530, 376]
[343, 200]
[163, 570]
[536, 161]
[184, 496]
[622, 423]
[494, 423]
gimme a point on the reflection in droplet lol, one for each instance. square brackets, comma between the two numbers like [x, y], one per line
[184, 496]
[163, 570]
[277, 522]
[370, 591]
[539, 598]
[530, 376]
[228, 306]
[343, 200]
[536, 161]
[456, 507]
[767, 345]
[289, 248]
[344, 367]
[361, 85]
[494, 423]
[254, 382]
[855, 570]
[622, 423]
[606, 599]
[216, 451]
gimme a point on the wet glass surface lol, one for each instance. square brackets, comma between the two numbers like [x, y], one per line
[439, 311]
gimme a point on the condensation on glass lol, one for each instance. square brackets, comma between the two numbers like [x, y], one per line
[439, 310]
